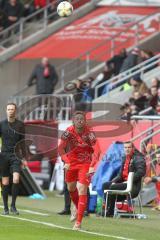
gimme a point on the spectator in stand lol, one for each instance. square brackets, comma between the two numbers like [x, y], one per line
[146, 55]
[153, 175]
[2, 4]
[138, 85]
[116, 62]
[134, 110]
[102, 78]
[126, 112]
[154, 97]
[131, 60]
[28, 7]
[45, 77]
[155, 82]
[140, 101]
[158, 108]
[159, 94]
[38, 4]
[14, 11]
[2, 20]
[84, 94]
[52, 10]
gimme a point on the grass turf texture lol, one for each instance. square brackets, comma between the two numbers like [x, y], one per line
[15, 229]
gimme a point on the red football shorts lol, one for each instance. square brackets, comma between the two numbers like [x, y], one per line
[78, 174]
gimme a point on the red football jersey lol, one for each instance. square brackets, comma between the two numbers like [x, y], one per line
[79, 147]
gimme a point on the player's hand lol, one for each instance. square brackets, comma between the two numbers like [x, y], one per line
[66, 166]
[91, 171]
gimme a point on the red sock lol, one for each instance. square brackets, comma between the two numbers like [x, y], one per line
[75, 197]
[82, 204]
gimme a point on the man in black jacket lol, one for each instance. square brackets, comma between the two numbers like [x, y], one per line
[44, 76]
[14, 11]
[12, 151]
[132, 162]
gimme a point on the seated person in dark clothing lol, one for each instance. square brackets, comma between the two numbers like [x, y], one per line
[138, 85]
[126, 112]
[154, 97]
[140, 101]
[14, 11]
[2, 3]
[146, 55]
[28, 7]
[116, 61]
[133, 161]
[155, 82]
[2, 20]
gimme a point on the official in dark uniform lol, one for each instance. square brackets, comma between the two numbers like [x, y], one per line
[12, 134]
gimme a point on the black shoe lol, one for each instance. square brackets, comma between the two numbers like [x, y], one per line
[110, 215]
[65, 212]
[5, 212]
[86, 214]
[14, 211]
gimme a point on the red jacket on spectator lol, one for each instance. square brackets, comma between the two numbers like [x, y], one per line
[40, 3]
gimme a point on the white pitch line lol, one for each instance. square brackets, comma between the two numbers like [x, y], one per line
[30, 211]
[66, 228]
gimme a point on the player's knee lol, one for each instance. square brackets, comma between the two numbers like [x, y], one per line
[82, 190]
[71, 187]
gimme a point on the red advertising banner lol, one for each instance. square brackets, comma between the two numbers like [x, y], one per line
[100, 25]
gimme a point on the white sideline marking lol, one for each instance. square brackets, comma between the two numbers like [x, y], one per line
[66, 228]
[30, 211]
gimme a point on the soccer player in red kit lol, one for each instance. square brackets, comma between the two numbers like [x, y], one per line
[79, 150]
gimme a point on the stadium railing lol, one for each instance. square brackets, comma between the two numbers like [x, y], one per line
[124, 76]
[143, 141]
[150, 132]
[26, 26]
[91, 58]
[44, 107]
[140, 2]
[85, 61]
[145, 111]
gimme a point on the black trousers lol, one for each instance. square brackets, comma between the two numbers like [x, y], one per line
[67, 199]
[111, 197]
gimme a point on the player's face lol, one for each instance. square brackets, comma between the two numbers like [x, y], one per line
[79, 121]
[11, 111]
[128, 148]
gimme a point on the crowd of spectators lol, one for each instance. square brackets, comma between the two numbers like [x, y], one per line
[142, 96]
[12, 10]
